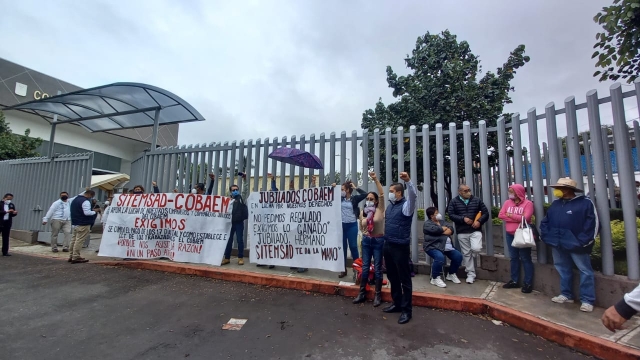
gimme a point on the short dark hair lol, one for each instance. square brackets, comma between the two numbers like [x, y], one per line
[90, 192]
[200, 186]
[139, 186]
[430, 211]
[398, 187]
[232, 186]
[8, 194]
[64, 192]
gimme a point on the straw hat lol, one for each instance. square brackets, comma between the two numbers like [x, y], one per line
[566, 183]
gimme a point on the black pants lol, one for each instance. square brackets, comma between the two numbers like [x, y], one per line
[6, 231]
[396, 258]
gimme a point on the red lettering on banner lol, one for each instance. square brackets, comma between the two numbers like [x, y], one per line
[172, 224]
[274, 251]
[126, 242]
[190, 248]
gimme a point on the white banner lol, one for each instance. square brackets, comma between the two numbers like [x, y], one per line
[297, 228]
[182, 227]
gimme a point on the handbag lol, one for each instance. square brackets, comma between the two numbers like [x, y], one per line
[523, 237]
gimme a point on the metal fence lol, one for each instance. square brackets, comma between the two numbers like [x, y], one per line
[180, 167]
[37, 182]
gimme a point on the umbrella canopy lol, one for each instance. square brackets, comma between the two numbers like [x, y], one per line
[296, 157]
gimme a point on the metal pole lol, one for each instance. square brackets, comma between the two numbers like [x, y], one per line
[536, 178]
[156, 123]
[502, 167]
[426, 166]
[573, 142]
[626, 180]
[599, 172]
[52, 137]
[468, 156]
[442, 204]
[587, 160]
[608, 167]
[413, 168]
[453, 157]
[516, 133]
[485, 172]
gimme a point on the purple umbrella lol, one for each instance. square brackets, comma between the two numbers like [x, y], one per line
[296, 157]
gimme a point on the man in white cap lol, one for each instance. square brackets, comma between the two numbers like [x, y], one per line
[570, 228]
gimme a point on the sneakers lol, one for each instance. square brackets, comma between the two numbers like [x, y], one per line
[225, 262]
[527, 288]
[453, 278]
[511, 285]
[470, 280]
[240, 262]
[561, 299]
[586, 307]
[438, 282]
[64, 249]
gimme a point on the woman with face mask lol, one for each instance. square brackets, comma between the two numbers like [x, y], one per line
[438, 245]
[350, 212]
[372, 227]
[7, 213]
[512, 212]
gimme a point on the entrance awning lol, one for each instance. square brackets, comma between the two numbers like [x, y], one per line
[109, 182]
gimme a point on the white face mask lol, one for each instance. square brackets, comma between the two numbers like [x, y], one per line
[369, 203]
[392, 196]
[438, 216]
[194, 191]
[7, 202]
[343, 193]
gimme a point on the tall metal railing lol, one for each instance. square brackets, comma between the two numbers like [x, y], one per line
[181, 167]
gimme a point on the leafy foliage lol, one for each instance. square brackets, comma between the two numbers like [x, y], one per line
[14, 146]
[443, 86]
[618, 44]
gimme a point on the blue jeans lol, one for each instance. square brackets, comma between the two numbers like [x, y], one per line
[563, 262]
[350, 234]
[237, 229]
[372, 246]
[438, 261]
[520, 255]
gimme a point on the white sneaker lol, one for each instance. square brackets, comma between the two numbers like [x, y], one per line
[438, 282]
[453, 278]
[470, 280]
[561, 299]
[586, 307]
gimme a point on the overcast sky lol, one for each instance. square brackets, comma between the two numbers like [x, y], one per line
[257, 69]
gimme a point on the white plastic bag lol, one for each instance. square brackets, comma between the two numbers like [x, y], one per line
[523, 238]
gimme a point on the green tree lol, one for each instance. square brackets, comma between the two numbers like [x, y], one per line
[443, 85]
[618, 44]
[336, 179]
[14, 146]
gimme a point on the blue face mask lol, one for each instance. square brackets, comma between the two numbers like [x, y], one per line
[235, 193]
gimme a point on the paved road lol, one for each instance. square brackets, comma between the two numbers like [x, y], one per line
[54, 310]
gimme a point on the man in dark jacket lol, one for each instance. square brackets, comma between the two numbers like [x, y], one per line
[239, 213]
[468, 213]
[81, 219]
[397, 244]
[570, 228]
[7, 213]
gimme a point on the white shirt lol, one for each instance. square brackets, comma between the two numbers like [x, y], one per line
[59, 210]
[6, 210]
[105, 215]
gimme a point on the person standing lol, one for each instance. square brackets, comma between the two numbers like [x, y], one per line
[372, 226]
[81, 218]
[59, 216]
[350, 213]
[437, 244]
[397, 236]
[7, 213]
[239, 213]
[570, 228]
[468, 213]
[513, 211]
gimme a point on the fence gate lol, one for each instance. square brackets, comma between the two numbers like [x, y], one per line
[37, 182]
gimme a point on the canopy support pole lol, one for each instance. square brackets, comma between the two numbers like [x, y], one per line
[154, 137]
[52, 137]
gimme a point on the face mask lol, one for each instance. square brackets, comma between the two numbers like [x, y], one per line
[106, 203]
[369, 203]
[344, 194]
[512, 196]
[558, 193]
[194, 191]
[392, 196]
[235, 193]
[7, 202]
[64, 197]
[438, 217]
[137, 192]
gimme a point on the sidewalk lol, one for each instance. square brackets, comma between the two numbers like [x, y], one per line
[562, 323]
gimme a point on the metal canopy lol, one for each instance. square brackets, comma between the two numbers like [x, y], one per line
[114, 107]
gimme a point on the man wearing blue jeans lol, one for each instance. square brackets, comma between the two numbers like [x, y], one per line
[570, 228]
[239, 213]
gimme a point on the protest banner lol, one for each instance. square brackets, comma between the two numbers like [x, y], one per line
[182, 227]
[296, 228]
